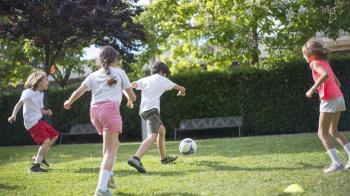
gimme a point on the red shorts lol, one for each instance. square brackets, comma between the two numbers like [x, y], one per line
[42, 131]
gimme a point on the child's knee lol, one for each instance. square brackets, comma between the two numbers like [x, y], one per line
[46, 142]
[333, 132]
[151, 137]
[323, 134]
[162, 130]
[54, 138]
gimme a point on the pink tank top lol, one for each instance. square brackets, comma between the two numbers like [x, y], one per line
[328, 89]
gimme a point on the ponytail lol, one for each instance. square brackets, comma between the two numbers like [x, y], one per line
[106, 58]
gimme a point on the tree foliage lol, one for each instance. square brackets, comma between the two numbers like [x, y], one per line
[16, 60]
[61, 28]
[211, 34]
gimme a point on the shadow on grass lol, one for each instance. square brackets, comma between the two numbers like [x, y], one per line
[216, 165]
[159, 194]
[122, 173]
[176, 194]
[6, 186]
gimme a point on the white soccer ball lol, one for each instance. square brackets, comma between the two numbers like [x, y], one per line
[187, 146]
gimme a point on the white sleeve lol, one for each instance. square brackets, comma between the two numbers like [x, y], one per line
[140, 84]
[168, 84]
[125, 81]
[42, 101]
[88, 82]
[25, 95]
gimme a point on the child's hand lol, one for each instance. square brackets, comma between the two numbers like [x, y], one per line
[130, 104]
[181, 93]
[309, 93]
[67, 105]
[48, 112]
[12, 119]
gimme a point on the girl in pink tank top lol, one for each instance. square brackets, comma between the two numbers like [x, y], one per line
[332, 103]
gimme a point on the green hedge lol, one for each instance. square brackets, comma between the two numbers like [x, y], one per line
[270, 101]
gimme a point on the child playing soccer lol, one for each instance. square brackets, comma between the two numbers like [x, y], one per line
[107, 85]
[332, 102]
[33, 110]
[152, 88]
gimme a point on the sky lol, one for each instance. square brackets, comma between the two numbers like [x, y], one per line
[92, 51]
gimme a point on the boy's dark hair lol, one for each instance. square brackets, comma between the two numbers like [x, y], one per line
[160, 67]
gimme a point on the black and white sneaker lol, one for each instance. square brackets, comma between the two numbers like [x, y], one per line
[44, 162]
[36, 169]
[133, 162]
[168, 159]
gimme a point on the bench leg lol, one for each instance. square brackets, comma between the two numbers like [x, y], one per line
[239, 131]
[175, 134]
[61, 136]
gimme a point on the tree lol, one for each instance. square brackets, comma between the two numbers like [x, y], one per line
[16, 61]
[61, 28]
[213, 34]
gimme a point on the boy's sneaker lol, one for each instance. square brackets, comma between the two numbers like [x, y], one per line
[347, 166]
[333, 168]
[44, 162]
[136, 164]
[111, 182]
[102, 193]
[168, 159]
[36, 168]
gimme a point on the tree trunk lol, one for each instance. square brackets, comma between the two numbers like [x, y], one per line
[255, 45]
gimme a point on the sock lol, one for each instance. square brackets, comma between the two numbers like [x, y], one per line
[135, 157]
[347, 149]
[38, 159]
[103, 179]
[333, 154]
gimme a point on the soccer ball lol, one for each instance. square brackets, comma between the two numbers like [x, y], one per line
[187, 146]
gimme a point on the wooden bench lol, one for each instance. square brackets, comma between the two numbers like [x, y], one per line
[210, 123]
[81, 129]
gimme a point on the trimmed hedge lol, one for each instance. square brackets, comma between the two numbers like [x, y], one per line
[270, 101]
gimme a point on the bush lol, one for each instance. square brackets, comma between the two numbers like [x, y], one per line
[270, 101]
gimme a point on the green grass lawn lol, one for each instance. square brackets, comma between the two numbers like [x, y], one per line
[233, 166]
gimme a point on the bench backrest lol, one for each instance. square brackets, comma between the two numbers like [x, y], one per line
[82, 129]
[207, 123]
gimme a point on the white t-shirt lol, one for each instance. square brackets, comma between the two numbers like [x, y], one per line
[101, 91]
[32, 103]
[152, 88]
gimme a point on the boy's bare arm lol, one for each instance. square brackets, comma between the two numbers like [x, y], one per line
[181, 89]
[134, 85]
[47, 112]
[17, 107]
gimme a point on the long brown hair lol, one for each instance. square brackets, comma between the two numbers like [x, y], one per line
[315, 47]
[107, 56]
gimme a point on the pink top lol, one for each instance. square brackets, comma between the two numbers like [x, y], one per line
[329, 88]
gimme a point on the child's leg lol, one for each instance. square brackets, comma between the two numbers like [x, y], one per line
[161, 142]
[42, 151]
[323, 133]
[341, 139]
[53, 140]
[151, 138]
[110, 143]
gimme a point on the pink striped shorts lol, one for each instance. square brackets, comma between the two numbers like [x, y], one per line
[106, 116]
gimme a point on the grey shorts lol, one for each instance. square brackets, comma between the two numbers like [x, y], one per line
[333, 105]
[152, 118]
